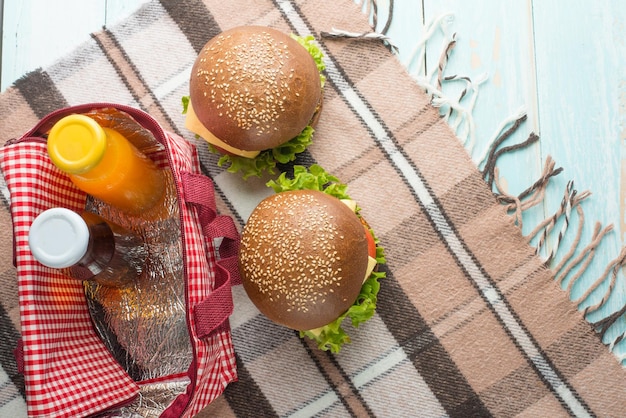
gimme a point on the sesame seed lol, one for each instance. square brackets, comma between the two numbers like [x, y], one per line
[259, 57]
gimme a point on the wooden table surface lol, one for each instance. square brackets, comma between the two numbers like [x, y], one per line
[563, 64]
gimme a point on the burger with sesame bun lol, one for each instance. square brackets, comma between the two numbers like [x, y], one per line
[308, 260]
[255, 94]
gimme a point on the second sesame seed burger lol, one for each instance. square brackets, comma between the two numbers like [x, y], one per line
[254, 94]
[308, 259]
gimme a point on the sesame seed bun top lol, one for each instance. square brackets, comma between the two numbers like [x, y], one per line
[254, 87]
[303, 258]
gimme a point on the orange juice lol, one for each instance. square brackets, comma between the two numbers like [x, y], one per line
[102, 163]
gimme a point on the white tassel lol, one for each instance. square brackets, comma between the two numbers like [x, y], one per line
[518, 114]
[339, 33]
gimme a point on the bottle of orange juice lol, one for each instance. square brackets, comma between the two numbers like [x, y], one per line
[103, 163]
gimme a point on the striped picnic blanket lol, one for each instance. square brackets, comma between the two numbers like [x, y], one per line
[469, 323]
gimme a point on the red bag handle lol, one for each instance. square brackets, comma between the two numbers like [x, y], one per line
[212, 314]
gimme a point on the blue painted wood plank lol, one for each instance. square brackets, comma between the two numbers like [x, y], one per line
[494, 44]
[35, 33]
[581, 89]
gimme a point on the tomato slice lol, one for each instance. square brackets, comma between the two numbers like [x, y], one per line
[371, 245]
[222, 151]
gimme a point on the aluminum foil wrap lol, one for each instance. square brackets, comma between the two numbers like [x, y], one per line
[143, 323]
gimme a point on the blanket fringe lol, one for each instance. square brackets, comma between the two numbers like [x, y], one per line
[570, 267]
[370, 8]
[567, 268]
[456, 111]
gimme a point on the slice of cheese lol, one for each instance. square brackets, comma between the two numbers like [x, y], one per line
[194, 125]
[371, 263]
[349, 203]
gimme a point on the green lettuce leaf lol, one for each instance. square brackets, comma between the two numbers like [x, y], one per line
[332, 336]
[266, 160]
[313, 178]
[185, 100]
[308, 42]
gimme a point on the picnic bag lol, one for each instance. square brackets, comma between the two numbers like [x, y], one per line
[164, 349]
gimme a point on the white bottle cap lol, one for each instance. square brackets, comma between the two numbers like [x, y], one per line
[58, 238]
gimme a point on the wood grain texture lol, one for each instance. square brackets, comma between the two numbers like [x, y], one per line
[581, 71]
[565, 66]
[35, 33]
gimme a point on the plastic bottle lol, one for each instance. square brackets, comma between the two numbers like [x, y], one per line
[92, 248]
[103, 163]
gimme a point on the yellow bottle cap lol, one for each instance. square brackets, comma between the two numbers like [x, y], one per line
[76, 144]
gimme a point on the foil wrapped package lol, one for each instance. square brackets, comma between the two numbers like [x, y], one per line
[143, 323]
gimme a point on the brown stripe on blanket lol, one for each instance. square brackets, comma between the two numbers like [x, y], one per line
[352, 150]
[41, 93]
[17, 116]
[504, 323]
[247, 397]
[194, 20]
[247, 12]
[244, 399]
[132, 78]
[348, 394]
[431, 359]
[423, 331]
[265, 346]
[489, 354]
[567, 341]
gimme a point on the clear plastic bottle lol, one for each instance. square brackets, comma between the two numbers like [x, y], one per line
[104, 164]
[88, 246]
